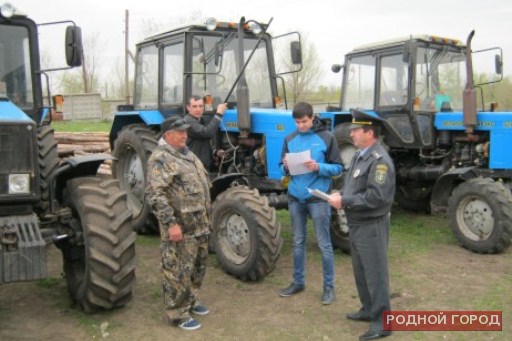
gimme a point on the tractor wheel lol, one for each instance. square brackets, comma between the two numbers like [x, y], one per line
[132, 148]
[412, 197]
[339, 231]
[345, 145]
[99, 260]
[480, 213]
[246, 233]
[48, 162]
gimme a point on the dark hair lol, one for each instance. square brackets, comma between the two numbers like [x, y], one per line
[375, 128]
[302, 109]
[195, 98]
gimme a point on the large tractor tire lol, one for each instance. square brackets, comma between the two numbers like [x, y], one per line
[246, 232]
[345, 145]
[48, 157]
[480, 213]
[413, 197]
[339, 231]
[99, 260]
[132, 148]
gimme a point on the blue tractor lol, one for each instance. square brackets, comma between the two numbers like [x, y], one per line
[448, 145]
[221, 62]
[45, 200]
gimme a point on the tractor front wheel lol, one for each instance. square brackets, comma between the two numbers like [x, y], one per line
[480, 213]
[99, 258]
[246, 233]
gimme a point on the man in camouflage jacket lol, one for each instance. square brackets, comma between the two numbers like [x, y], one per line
[178, 190]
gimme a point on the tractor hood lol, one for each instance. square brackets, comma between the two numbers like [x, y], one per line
[10, 112]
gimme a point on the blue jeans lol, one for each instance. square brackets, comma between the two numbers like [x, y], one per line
[320, 213]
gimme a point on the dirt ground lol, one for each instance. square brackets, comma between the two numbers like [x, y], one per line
[446, 277]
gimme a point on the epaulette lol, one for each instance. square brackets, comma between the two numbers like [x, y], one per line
[376, 155]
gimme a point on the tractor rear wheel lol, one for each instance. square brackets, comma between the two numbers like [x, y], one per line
[480, 213]
[413, 197]
[246, 233]
[99, 260]
[132, 148]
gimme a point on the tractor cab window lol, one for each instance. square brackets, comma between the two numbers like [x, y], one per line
[15, 67]
[146, 84]
[440, 77]
[215, 68]
[360, 78]
[393, 81]
[173, 75]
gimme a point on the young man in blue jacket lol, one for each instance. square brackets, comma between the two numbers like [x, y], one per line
[325, 163]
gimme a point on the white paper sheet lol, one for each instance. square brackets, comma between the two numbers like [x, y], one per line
[296, 162]
[318, 193]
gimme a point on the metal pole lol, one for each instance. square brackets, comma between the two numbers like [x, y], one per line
[126, 59]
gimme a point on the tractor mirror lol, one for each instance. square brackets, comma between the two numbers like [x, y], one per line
[296, 52]
[498, 64]
[73, 46]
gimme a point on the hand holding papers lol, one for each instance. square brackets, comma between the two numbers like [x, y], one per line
[296, 162]
[319, 194]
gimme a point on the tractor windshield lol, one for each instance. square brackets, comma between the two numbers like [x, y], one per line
[15, 74]
[215, 67]
[440, 78]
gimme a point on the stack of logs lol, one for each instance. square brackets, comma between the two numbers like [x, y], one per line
[74, 144]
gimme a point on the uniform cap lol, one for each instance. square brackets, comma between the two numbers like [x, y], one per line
[362, 119]
[174, 123]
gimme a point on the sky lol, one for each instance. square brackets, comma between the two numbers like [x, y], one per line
[335, 27]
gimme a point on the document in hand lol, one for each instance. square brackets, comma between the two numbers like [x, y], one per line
[296, 162]
[319, 194]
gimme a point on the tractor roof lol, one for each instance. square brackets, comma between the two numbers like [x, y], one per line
[401, 40]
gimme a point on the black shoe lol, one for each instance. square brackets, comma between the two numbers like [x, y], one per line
[328, 296]
[292, 289]
[358, 316]
[371, 335]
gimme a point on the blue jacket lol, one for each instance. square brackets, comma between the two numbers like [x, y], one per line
[324, 150]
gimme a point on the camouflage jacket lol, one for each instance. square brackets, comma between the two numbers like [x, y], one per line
[178, 191]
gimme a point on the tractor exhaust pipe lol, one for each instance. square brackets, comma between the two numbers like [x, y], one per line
[469, 94]
[242, 90]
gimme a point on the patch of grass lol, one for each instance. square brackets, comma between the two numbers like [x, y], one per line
[417, 233]
[148, 240]
[48, 282]
[81, 126]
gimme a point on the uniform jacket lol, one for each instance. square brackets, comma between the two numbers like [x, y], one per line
[199, 137]
[369, 186]
[324, 150]
[178, 191]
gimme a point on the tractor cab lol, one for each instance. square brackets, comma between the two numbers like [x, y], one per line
[406, 81]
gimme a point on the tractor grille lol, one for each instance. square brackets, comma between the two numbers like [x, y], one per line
[18, 152]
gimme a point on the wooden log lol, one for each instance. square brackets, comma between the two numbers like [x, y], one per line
[80, 138]
[73, 149]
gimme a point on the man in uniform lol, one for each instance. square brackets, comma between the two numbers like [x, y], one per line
[366, 197]
[178, 190]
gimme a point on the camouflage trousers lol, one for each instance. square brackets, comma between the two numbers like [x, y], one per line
[183, 270]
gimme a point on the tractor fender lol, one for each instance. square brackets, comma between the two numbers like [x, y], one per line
[74, 167]
[445, 184]
[223, 182]
[121, 119]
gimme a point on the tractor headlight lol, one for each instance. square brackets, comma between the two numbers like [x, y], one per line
[7, 10]
[254, 27]
[211, 24]
[19, 183]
